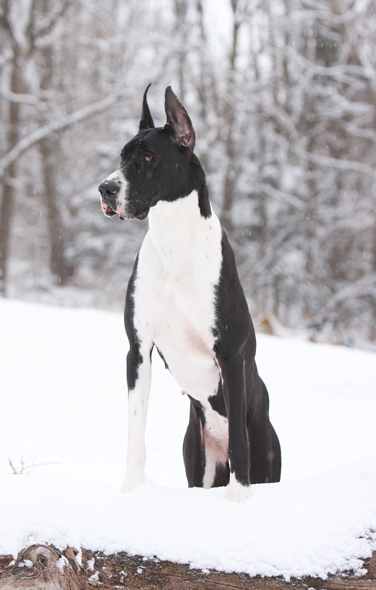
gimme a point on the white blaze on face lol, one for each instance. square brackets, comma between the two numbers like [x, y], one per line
[121, 199]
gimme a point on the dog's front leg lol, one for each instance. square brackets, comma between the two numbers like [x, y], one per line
[234, 391]
[138, 377]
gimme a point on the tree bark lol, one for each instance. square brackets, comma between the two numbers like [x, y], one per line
[230, 108]
[6, 212]
[46, 568]
[49, 153]
[56, 230]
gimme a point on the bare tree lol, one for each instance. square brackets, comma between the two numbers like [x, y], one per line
[286, 128]
[25, 37]
[18, 42]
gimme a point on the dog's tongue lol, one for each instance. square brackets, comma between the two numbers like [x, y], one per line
[106, 208]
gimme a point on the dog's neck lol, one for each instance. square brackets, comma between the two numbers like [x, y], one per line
[173, 221]
[177, 229]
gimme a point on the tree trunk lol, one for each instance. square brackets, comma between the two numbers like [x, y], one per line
[49, 152]
[229, 185]
[7, 202]
[46, 568]
[180, 9]
[58, 264]
[5, 225]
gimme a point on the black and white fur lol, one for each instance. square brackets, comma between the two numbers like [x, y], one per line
[185, 298]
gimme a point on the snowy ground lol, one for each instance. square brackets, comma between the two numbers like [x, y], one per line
[63, 422]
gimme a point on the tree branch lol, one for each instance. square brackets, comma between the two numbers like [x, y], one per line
[6, 57]
[281, 196]
[33, 138]
[349, 165]
[30, 99]
[39, 37]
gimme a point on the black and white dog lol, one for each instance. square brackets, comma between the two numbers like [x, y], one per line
[185, 298]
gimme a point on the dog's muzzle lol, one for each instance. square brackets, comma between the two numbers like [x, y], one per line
[114, 201]
[109, 190]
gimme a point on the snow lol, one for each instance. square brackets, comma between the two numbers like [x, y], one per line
[63, 420]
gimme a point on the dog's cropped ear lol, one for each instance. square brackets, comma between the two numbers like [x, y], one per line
[178, 121]
[146, 118]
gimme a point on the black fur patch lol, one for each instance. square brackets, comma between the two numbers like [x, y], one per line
[134, 357]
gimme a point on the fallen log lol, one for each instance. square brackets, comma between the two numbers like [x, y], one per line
[45, 568]
[40, 567]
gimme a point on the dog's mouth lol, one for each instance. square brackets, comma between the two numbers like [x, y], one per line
[109, 212]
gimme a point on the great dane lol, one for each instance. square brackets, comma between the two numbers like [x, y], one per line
[185, 299]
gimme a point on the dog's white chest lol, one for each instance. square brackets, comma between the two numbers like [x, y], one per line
[178, 270]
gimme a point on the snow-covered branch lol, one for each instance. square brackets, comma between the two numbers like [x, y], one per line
[281, 196]
[344, 298]
[329, 162]
[6, 57]
[53, 126]
[19, 98]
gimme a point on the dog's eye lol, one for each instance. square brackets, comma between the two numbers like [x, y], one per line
[148, 158]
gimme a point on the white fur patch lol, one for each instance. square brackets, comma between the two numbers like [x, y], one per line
[236, 491]
[121, 200]
[179, 266]
[216, 443]
[138, 399]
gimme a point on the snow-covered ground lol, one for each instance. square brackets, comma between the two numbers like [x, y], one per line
[63, 422]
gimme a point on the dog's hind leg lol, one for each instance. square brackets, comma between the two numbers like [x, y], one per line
[265, 454]
[265, 448]
[193, 449]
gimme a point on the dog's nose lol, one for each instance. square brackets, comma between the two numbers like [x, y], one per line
[109, 188]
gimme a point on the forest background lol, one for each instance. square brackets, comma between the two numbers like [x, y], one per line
[282, 95]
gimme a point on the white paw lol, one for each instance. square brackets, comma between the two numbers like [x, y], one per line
[131, 482]
[237, 492]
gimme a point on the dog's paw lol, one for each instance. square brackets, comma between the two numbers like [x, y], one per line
[131, 482]
[237, 492]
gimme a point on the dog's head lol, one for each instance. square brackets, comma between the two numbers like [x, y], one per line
[154, 165]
